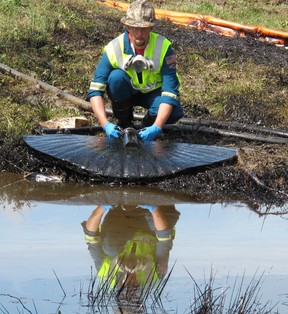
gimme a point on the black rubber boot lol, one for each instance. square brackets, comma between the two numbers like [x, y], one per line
[148, 120]
[123, 112]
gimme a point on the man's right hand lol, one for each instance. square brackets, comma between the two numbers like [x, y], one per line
[111, 130]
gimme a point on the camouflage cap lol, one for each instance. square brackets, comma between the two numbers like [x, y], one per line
[140, 13]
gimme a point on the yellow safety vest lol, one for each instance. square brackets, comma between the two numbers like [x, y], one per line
[155, 50]
[145, 246]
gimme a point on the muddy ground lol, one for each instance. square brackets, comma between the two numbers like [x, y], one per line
[259, 176]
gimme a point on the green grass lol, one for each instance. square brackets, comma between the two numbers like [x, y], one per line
[14, 120]
[24, 22]
[18, 117]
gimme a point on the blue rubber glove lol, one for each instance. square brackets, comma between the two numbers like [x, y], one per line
[111, 130]
[107, 207]
[151, 208]
[149, 133]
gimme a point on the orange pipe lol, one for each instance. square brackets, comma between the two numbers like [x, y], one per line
[247, 28]
[209, 23]
[236, 26]
[222, 30]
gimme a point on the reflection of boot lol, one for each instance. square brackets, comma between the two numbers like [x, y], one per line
[123, 111]
[148, 120]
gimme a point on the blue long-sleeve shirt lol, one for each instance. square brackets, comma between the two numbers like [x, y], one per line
[170, 80]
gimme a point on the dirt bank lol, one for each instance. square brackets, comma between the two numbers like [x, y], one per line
[259, 176]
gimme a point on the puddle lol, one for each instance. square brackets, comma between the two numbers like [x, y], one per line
[47, 265]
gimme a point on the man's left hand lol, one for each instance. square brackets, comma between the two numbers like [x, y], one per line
[151, 208]
[149, 133]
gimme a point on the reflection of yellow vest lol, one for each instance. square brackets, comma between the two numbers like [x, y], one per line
[156, 50]
[145, 245]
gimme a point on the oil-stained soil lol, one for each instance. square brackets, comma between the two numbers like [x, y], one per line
[260, 175]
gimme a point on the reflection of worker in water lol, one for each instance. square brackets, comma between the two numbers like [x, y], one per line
[138, 68]
[130, 245]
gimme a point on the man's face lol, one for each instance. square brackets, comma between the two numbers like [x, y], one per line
[139, 36]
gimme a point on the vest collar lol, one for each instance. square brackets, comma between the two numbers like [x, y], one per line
[127, 45]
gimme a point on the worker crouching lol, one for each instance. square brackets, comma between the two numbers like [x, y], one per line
[138, 68]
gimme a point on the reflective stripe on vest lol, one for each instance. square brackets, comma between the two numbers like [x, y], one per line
[156, 50]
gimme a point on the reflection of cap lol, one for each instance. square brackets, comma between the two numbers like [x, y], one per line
[140, 13]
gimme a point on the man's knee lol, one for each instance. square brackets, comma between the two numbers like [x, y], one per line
[118, 87]
[117, 75]
[176, 115]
